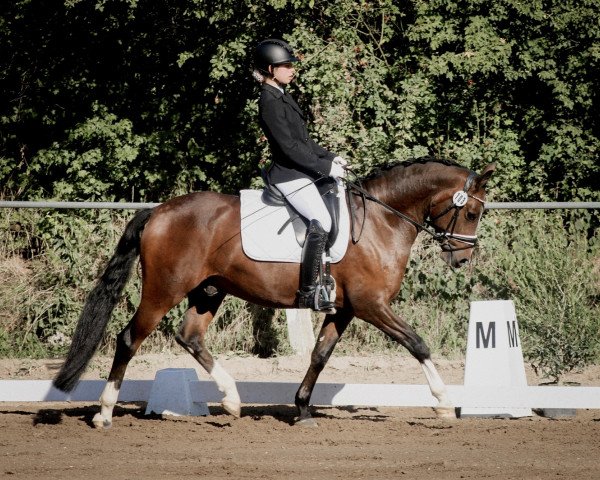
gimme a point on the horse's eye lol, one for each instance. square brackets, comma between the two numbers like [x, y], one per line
[471, 216]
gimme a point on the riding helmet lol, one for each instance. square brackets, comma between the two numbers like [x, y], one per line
[273, 52]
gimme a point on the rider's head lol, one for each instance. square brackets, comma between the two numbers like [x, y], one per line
[274, 59]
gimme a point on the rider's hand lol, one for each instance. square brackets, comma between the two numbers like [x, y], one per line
[337, 170]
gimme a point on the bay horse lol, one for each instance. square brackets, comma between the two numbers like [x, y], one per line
[190, 247]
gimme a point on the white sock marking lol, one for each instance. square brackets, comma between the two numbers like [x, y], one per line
[225, 382]
[436, 384]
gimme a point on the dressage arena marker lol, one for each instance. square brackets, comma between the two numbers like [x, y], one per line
[494, 355]
[162, 401]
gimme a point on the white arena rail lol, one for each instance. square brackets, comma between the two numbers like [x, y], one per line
[325, 394]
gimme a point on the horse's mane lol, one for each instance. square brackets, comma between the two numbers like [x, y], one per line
[379, 171]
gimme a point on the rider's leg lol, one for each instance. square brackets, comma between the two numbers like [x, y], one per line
[305, 198]
[312, 254]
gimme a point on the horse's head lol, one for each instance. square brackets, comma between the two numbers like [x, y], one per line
[455, 213]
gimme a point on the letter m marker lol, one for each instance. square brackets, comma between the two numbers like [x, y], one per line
[485, 338]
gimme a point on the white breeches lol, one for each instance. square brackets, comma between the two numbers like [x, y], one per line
[306, 199]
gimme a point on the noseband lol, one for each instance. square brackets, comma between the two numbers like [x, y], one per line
[459, 200]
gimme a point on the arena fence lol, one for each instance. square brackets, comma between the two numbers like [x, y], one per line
[325, 394]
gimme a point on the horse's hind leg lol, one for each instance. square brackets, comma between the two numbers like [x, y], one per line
[144, 321]
[331, 331]
[201, 311]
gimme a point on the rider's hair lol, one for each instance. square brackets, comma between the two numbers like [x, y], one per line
[258, 76]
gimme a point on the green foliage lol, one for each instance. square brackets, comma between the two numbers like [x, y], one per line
[140, 100]
[97, 159]
[51, 261]
[552, 274]
[507, 78]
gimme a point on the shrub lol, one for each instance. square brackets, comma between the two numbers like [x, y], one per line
[550, 268]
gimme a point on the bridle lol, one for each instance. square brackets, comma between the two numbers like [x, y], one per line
[443, 236]
[459, 200]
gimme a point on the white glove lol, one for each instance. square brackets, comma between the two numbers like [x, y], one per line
[337, 171]
[340, 161]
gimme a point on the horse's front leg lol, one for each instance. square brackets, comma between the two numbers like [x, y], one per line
[383, 317]
[444, 408]
[331, 331]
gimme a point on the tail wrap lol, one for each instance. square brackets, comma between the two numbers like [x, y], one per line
[100, 304]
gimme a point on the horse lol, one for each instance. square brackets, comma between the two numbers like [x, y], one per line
[190, 247]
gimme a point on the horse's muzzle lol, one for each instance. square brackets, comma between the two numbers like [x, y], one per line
[456, 258]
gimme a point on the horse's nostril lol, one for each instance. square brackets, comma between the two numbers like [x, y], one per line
[463, 261]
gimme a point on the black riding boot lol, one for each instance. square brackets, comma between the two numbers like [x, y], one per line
[312, 252]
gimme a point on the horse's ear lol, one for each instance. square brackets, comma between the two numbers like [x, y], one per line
[484, 176]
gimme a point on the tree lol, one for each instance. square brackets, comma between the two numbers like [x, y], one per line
[164, 93]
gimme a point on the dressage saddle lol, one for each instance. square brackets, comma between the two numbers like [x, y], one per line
[329, 191]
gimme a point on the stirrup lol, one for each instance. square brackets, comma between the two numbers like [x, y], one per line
[316, 299]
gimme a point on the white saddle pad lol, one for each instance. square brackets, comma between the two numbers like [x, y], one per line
[261, 239]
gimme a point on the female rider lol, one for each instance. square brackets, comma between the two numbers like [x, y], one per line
[298, 162]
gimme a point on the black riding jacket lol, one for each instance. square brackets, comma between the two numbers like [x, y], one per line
[295, 154]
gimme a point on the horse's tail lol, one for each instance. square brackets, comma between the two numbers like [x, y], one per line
[100, 303]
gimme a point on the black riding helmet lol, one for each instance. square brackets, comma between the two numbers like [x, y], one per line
[273, 52]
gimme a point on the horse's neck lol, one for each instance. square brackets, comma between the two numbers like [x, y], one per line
[409, 190]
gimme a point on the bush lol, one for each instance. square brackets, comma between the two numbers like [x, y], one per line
[549, 267]
[49, 262]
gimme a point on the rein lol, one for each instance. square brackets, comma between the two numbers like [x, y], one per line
[459, 200]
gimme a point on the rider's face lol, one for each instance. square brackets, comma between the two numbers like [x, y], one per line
[284, 74]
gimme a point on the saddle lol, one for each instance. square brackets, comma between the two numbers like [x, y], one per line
[273, 197]
[272, 231]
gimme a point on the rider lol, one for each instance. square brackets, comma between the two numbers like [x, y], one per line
[298, 162]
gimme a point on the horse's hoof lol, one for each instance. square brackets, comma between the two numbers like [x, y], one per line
[305, 422]
[100, 422]
[446, 413]
[232, 408]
